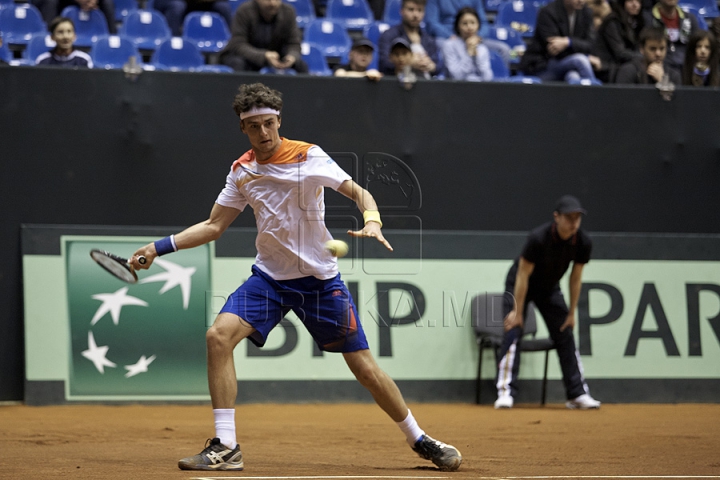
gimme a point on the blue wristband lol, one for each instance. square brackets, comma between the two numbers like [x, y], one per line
[166, 245]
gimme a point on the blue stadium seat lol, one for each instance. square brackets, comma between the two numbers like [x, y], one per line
[146, 28]
[695, 11]
[317, 65]
[526, 79]
[391, 13]
[208, 30]
[214, 69]
[510, 37]
[352, 14]
[493, 5]
[113, 51]
[5, 54]
[123, 9]
[38, 44]
[178, 54]
[234, 4]
[498, 67]
[89, 26]
[518, 15]
[372, 32]
[330, 37]
[706, 8]
[304, 10]
[20, 22]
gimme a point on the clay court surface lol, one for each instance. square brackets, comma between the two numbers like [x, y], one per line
[357, 441]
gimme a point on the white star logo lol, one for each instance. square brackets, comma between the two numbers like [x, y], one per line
[97, 354]
[174, 275]
[140, 367]
[113, 303]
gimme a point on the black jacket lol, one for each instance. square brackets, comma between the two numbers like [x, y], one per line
[616, 44]
[553, 21]
[635, 72]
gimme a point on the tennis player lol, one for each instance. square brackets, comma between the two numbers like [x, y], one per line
[283, 181]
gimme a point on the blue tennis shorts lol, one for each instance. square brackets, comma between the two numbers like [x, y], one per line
[325, 307]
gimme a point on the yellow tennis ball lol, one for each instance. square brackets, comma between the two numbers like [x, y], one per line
[337, 248]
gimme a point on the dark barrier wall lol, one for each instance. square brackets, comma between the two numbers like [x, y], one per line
[91, 147]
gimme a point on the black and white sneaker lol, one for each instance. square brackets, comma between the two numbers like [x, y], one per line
[216, 456]
[446, 457]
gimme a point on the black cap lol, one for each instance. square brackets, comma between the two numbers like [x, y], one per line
[363, 42]
[399, 41]
[569, 204]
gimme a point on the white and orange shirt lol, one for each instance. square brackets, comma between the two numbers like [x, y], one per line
[286, 193]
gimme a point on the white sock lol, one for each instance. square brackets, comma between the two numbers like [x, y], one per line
[411, 429]
[225, 426]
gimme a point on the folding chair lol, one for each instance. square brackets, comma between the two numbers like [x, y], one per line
[487, 320]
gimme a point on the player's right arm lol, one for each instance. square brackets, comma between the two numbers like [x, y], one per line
[199, 234]
[515, 317]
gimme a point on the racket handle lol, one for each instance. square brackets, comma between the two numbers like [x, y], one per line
[142, 260]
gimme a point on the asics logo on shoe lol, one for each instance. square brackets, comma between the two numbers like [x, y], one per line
[217, 457]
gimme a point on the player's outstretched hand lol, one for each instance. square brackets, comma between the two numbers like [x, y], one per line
[372, 230]
[148, 251]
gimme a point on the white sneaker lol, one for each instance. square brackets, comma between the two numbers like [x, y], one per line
[504, 401]
[583, 402]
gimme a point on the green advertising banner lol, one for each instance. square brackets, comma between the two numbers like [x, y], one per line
[140, 339]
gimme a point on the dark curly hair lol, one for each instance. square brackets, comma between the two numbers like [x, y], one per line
[256, 95]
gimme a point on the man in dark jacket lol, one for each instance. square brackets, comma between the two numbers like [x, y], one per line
[426, 58]
[678, 25]
[652, 66]
[264, 34]
[563, 39]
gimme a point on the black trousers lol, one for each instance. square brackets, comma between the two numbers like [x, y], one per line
[554, 311]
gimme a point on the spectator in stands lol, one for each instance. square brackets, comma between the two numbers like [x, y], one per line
[701, 61]
[617, 38]
[264, 34]
[52, 8]
[175, 11]
[361, 54]
[678, 25]
[652, 66]
[466, 58]
[62, 31]
[560, 49]
[600, 9]
[425, 58]
[401, 57]
[440, 20]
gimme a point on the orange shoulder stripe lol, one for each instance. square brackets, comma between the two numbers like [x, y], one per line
[291, 151]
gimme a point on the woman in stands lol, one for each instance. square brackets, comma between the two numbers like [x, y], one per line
[466, 58]
[701, 61]
[617, 38]
[62, 31]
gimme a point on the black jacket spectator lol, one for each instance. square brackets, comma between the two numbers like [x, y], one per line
[553, 21]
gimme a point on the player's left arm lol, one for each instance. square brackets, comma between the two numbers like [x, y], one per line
[367, 205]
[575, 285]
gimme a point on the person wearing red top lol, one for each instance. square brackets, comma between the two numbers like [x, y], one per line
[679, 26]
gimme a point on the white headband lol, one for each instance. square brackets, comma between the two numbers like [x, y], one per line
[259, 111]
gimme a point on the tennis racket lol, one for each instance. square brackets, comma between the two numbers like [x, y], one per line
[117, 266]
